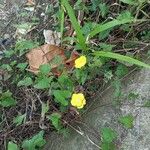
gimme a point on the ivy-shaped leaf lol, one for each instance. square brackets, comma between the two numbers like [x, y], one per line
[12, 146]
[22, 66]
[108, 135]
[43, 83]
[19, 119]
[45, 69]
[25, 82]
[55, 119]
[6, 100]
[61, 96]
[35, 142]
[127, 121]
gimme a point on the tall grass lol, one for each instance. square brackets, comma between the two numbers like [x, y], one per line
[100, 28]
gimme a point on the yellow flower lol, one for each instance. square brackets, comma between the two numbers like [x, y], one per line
[80, 62]
[78, 100]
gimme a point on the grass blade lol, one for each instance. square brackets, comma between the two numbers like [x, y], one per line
[62, 22]
[121, 58]
[108, 25]
[75, 24]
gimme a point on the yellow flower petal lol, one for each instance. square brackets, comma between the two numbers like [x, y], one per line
[80, 62]
[80, 107]
[78, 100]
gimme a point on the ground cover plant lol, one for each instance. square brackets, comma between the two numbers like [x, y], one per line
[47, 85]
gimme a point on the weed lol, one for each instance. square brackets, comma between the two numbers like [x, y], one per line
[53, 101]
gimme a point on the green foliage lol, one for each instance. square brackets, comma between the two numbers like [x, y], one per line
[147, 104]
[65, 82]
[22, 66]
[121, 58]
[55, 119]
[108, 75]
[6, 67]
[133, 96]
[95, 4]
[108, 146]
[130, 2]
[104, 9]
[27, 81]
[23, 45]
[6, 100]
[19, 119]
[43, 83]
[8, 53]
[108, 137]
[57, 90]
[121, 70]
[81, 76]
[127, 121]
[62, 96]
[45, 69]
[62, 20]
[35, 143]
[117, 88]
[12, 146]
[108, 25]
[75, 24]
[88, 27]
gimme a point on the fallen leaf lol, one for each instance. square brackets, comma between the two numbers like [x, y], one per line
[45, 54]
[30, 3]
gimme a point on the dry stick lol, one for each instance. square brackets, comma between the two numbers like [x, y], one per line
[82, 134]
[96, 133]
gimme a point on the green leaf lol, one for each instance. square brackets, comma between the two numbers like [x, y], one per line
[104, 9]
[108, 135]
[25, 82]
[45, 69]
[55, 119]
[12, 146]
[75, 23]
[6, 100]
[81, 76]
[9, 53]
[23, 45]
[126, 15]
[117, 88]
[7, 67]
[127, 121]
[61, 96]
[35, 142]
[62, 20]
[108, 146]
[22, 66]
[121, 58]
[133, 96]
[121, 70]
[19, 119]
[43, 83]
[147, 104]
[130, 2]
[95, 4]
[65, 82]
[108, 25]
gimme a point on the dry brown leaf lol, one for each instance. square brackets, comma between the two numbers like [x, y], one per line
[45, 54]
[30, 3]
